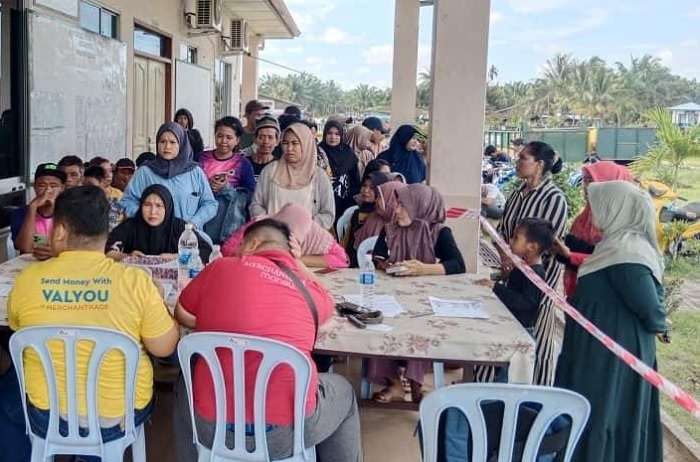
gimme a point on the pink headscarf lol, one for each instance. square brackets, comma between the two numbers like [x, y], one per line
[382, 215]
[313, 238]
[426, 208]
[582, 226]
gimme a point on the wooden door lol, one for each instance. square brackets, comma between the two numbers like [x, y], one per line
[149, 103]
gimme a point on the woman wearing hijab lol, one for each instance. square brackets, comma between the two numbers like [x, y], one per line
[377, 206]
[583, 236]
[343, 162]
[414, 240]
[296, 178]
[318, 246]
[174, 168]
[184, 118]
[620, 291]
[358, 138]
[403, 155]
[154, 230]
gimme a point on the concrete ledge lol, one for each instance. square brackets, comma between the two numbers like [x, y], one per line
[682, 442]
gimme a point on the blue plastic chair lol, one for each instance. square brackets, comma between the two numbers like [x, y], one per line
[274, 353]
[365, 247]
[104, 341]
[468, 398]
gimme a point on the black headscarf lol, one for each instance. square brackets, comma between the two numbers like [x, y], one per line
[136, 234]
[182, 163]
[341, 158]
[377, 179]
[409, 163]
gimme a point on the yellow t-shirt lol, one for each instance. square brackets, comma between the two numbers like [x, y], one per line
[85, 288]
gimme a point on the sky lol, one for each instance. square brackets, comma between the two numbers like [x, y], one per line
[351, 41]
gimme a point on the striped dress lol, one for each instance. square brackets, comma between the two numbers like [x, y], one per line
[547, 202]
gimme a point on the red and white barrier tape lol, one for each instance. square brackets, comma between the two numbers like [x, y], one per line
[680, 397]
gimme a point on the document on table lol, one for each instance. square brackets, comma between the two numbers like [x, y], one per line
[458, 308]
[388, 304]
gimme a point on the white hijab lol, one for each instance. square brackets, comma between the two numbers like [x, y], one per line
[625, 215]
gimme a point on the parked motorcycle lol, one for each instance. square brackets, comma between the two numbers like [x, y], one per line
[668, 210]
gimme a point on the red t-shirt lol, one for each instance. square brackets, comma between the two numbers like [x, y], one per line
[251, 295]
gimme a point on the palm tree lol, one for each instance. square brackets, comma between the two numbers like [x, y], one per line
[492, 74]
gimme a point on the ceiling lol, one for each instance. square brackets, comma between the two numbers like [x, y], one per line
[268, 18]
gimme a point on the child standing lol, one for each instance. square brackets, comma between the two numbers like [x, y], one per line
[533, 237]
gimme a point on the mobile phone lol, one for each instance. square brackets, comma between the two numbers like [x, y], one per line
[220, 176]
[396, 269]
[41, 239]
[326, 270]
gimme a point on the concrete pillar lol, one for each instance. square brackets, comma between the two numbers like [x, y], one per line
[249, 81]
[405, 67]
[460, 47]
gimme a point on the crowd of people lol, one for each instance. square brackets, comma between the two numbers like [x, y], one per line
[271, 196]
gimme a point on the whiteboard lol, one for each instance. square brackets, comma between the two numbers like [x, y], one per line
[77, 93]
[193, 91]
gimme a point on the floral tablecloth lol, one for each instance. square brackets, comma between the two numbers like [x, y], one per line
[498, 339]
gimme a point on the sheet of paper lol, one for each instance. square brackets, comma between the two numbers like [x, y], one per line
[388, 304]
[5, 290]
[380, 327]
[458, 308]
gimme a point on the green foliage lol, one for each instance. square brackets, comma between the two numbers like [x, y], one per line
[673, 149]
[673, 235]
[672, 293]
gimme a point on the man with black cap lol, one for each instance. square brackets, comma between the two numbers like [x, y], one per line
[254, 109]
[377, 140]
[31, 225]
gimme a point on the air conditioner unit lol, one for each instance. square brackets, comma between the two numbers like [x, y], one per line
[204, 15]
[238, 37]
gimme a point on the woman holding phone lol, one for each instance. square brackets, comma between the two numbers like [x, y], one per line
[231, 178]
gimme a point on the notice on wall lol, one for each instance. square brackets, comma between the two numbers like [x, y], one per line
[77, 101]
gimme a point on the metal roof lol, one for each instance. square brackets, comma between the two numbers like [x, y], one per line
[270, 19]
[690, 106]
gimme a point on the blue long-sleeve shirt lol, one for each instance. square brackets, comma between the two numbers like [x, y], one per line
[192, 195]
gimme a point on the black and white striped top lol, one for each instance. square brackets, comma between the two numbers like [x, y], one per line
[547, 202]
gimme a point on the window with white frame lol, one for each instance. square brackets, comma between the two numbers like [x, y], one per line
[98, 20]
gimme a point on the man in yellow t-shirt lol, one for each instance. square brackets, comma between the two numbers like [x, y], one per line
[82, 287]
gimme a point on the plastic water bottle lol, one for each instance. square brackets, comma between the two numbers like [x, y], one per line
[186, 247]
[215, 253]
[368, 279]
[194, 266]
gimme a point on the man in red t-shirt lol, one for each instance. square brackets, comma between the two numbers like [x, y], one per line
[252, 295]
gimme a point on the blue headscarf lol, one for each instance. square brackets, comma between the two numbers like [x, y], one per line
[409, 163]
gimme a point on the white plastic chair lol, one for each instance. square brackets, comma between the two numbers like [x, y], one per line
[10, 248]
[274, 353]
[467, 398]
[365, 247]
[104, 341]
[344, 221]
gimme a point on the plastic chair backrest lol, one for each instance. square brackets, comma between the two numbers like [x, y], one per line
[344, 221]
[468, 397]
[104, 341]
[364, 248]
[274, 353]
[10, 248]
